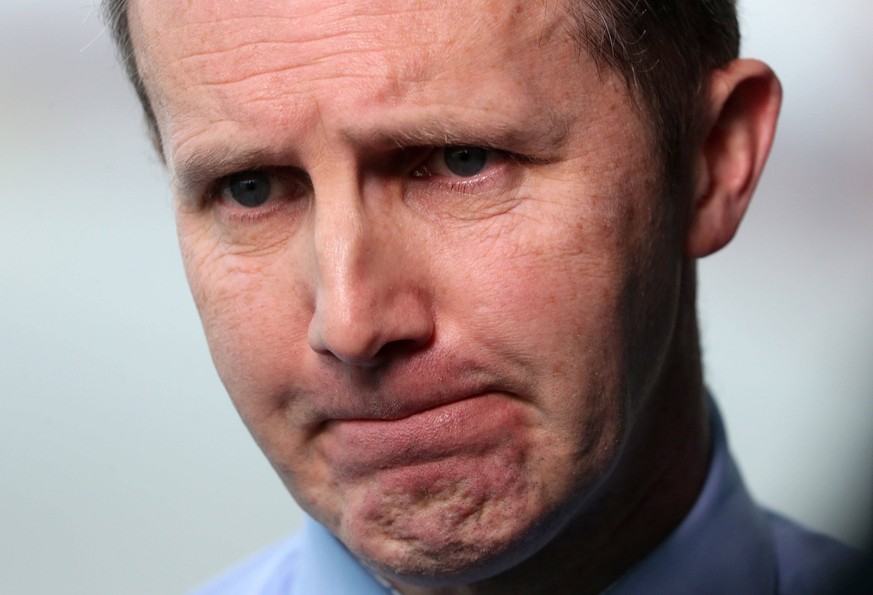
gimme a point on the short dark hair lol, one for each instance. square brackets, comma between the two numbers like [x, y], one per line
[663, 50]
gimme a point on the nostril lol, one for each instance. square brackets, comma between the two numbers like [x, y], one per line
[367, 353]
[358, 342]
[400, 348]
[373, 337]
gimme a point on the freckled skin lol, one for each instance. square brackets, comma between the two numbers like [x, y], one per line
[377, 289]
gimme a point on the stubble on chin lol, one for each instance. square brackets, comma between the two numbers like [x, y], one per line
[443, 519]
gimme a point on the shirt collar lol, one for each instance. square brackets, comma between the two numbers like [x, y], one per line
[326, 566]
[722, 546]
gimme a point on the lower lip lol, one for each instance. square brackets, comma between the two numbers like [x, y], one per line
[466, 427]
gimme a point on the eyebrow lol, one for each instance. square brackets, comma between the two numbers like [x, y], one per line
[214, 162]
[540, 138]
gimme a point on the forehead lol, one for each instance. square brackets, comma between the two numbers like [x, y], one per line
[349, 64]
[409, 28]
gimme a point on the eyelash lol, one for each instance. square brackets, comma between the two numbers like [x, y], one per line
[252, 215]
[462, 185]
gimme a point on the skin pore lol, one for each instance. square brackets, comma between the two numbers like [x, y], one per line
[440, 280]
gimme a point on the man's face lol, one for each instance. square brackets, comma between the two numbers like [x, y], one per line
[430, 253]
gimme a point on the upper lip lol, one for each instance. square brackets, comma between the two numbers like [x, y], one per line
[399, 404]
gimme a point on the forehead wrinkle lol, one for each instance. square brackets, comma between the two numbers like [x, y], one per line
[302, 65]
[262, 46]
[270, 56]
[360, 23]
[326, 9]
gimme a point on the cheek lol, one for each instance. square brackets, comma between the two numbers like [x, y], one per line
[553, 291]
[546, 286]
[253, 312]
[551, 308]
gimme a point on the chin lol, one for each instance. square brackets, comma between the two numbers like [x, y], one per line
[458, 530]
[430, 560]
[458, 560]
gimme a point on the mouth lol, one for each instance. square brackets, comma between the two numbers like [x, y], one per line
[461, 427]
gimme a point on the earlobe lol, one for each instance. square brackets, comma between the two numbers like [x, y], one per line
[741, 113]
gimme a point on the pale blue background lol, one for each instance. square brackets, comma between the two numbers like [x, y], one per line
[123, 467]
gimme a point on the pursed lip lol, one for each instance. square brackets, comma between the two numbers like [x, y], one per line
[452, 427]
[394, 401]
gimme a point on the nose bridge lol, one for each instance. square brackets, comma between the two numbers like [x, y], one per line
[341, 242]
[365, 298]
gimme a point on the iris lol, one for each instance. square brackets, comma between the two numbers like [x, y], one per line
[465, 161]
[250, 189]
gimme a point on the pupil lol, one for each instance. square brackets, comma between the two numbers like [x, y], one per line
[250, 189]
[466, 161]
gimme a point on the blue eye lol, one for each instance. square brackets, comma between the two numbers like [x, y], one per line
[460, 164]
[250, 189]
[465, 162]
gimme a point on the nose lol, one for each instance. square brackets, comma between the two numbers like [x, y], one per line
[369, 298]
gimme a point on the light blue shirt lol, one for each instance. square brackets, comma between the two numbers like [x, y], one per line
[725, 545]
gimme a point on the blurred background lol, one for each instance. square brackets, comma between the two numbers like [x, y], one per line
[124, 468]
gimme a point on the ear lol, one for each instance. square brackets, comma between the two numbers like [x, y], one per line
[740, 122]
